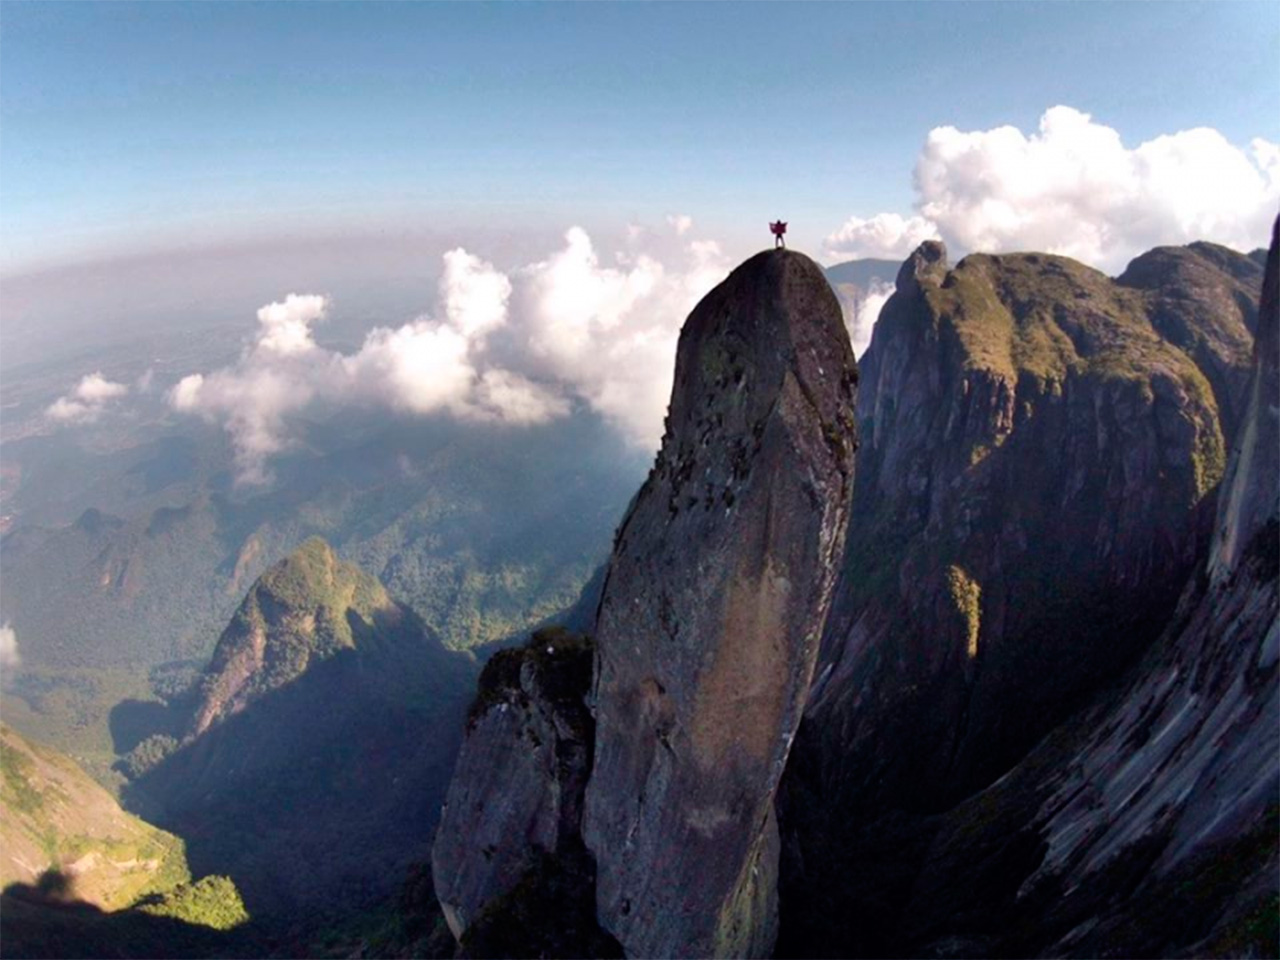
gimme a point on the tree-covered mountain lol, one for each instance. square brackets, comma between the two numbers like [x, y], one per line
[466, 526]
[314, 754]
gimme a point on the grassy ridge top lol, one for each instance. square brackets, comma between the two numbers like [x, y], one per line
[1048, 316]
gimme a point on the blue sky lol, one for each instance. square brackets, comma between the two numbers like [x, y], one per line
[123, 126]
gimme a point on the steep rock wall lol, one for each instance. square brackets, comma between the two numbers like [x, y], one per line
[711, 614]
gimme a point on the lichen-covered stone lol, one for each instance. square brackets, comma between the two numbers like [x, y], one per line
[711, 613]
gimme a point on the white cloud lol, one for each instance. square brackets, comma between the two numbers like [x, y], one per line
[886, 235]
[421, 367]
[680, 222]
[474, 293]
[610, 332]
[87, 400]
[1074, 188]
[504, 395]
[286, 326]
[863, 321]
[515, 348]
[9, 657]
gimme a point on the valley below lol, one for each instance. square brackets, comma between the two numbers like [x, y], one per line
[966, 647]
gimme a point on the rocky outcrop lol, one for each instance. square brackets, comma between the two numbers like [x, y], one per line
[1147, 825]
[1035, 688]
[711, 614]
[1203, 298]
[518, 786]
[1034, 456]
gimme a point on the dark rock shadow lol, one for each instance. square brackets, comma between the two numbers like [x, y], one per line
[132, 721]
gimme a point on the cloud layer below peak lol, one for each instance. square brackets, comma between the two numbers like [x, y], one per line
[519, 348]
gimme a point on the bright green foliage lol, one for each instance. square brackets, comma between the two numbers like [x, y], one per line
[16, 789]
[212, 901]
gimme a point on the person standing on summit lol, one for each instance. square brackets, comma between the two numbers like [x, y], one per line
[778, 228]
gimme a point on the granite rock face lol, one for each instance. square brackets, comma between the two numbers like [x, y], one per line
[1147, 825]
[518, 785]
[1043, 449]
[1037, 458]
[711, 615]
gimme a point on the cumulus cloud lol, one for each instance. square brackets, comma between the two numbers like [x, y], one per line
[9, 657]
[421, 367]
[886, 235]
[609, 331]
[475, 295]
[517, 349]
[87, 400]
[1074, 188]
[286, 326]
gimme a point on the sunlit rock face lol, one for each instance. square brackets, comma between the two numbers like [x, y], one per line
[711, 615]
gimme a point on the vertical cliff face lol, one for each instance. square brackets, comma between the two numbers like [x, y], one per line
[1042, 449]
[1147, 825]
[710, 618]
[1035, 452]
[517, 791]
[1248, 502]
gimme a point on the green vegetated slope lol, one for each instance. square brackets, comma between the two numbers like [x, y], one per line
[82, 877]
[56, 817]
[464, 526]
[319, 742]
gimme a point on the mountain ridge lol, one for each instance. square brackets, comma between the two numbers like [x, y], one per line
[322, 736]
[1032, 509]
